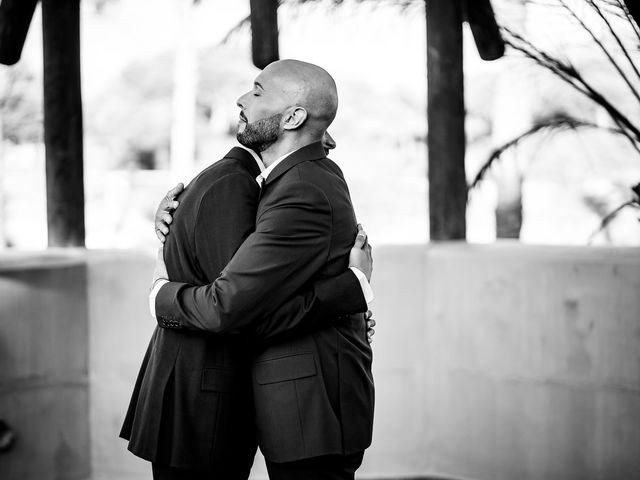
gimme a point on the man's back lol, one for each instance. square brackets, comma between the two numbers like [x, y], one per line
[191, 406]
[217, 212]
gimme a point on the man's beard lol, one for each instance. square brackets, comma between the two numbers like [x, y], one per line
[261, 134]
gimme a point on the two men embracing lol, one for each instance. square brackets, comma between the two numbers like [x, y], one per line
[262, 337]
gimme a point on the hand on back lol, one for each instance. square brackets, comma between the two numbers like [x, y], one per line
[165, 210]
[360, 255]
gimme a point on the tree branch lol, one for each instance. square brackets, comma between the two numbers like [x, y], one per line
[616, 37]
[608, 218]
[554, 124]
[569, 74]
[603, 48]
[629, 18]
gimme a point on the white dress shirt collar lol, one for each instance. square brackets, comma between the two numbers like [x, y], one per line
[265, 173]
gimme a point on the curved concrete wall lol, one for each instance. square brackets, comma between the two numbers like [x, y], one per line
[491, 362]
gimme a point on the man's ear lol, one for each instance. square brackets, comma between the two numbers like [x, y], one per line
[294, 118]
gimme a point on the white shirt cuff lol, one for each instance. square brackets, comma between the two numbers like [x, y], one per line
[153, 294]
[367, 291]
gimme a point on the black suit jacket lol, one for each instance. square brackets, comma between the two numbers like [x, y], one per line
[192, 404]
[313, 394]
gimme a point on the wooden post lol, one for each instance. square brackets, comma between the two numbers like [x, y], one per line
[63, 122]
[479, 14]
[3, 237]
[445, 117]
[264, 29]
[15, 18]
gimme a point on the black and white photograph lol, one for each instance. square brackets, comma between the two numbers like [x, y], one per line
[319, 240]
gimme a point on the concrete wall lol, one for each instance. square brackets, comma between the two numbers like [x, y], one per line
[44, 393]
[120, 329]
[491, 362]
[507, 362]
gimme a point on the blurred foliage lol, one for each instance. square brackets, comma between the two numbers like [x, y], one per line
[633, 203]
[131, 133]
[21, 106]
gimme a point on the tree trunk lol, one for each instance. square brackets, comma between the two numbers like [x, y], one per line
[445, 117]
[63, 122]
[264, 32]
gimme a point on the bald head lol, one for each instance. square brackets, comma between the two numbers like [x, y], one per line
[307, 86]
[290, 105]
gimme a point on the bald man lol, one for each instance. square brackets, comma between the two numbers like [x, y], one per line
[313, 393]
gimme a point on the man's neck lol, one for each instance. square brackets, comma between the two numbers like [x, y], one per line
[274, 152]
[282, 147]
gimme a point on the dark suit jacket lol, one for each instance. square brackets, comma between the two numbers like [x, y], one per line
[192, 404]
[313, 394]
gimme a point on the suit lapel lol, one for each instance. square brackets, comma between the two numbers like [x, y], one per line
[313, 151]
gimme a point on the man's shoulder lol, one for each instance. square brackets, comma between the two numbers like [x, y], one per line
[314, 171]
[226, 169]
[316, 182]
[225, 166]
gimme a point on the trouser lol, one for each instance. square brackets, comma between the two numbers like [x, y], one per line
[240, 471]
[328, 467]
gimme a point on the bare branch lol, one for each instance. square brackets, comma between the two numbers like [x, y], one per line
[570, 74]
[604, 50]
[565, 123]
[245, 21]
[608, 218]
[616, 37]
[629, 18]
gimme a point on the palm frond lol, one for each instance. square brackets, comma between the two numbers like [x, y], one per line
[554, 124]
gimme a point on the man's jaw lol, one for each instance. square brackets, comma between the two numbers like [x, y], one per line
[260, 134]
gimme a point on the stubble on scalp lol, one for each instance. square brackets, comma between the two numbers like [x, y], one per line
[261, 134]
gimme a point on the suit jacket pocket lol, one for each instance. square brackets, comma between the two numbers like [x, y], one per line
[281, 369]
[218, 380]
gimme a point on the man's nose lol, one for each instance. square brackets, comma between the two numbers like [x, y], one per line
[240, 102]
[328, 141]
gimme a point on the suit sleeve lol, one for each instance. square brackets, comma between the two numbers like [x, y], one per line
[326, 300]
[290, 245]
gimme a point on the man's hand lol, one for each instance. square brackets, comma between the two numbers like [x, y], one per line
[163, 214]
[160, 271]
[360, 255]
[370, 324]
